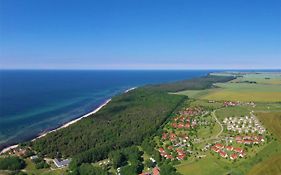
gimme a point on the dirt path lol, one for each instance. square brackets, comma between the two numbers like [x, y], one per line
[214, 115]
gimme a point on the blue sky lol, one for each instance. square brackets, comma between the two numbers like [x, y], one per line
[140, 34]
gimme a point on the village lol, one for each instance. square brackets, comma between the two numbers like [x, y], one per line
[180, 139]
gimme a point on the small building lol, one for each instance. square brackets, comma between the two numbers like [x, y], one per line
[233, 156]
[61, 163]
[223, 154]
[34, 157]
[156, 171]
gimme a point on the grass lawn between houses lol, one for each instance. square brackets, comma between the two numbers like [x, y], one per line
[211, 164]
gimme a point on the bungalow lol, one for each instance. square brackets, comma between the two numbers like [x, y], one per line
[161, 150]
[238, 150]
[242, 154]
[61, 163]
[180, 152]
[229, 148]
[164, 136]
[233, 156]
[180, 125]
[156, 171]
[181, 157]
[218, 145]
[215, 149]
[174, 125]
[169, 157]
[187, 125]
[34, 157]
[223, 154]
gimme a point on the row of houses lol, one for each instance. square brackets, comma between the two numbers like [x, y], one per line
[186, 125]
[248, 140]
[192, 111]
[237, 103]
[180, 153]
[228, 151]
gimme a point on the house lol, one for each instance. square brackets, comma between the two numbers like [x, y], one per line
[61, 163]
[233, 156]
[187, 125]
[156, 171]
[164, 136]
[229, 148]
[181, 157]
[218, 145]
[34, 157]
[215, 149]
[238, 150]
[223, 154]
[161, 150]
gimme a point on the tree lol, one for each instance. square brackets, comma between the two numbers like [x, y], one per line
[88, 169]
[118, 159]
[167, 169]
[11, 163]
[149, 163]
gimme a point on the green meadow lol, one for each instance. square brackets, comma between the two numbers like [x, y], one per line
[266, 88]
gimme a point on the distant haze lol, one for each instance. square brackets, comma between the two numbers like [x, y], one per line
[140, 34]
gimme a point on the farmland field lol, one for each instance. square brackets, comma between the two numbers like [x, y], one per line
[271, 165]
[250, 87]
[272, 121]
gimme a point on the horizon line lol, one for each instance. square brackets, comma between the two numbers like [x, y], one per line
[140, 69]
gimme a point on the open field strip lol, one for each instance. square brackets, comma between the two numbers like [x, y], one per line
[272, 121]
[272, 165]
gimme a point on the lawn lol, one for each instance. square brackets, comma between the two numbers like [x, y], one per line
[30, 169]
[232, 112]
[206, 166]
[219, 166]
[272, 121]
[270, 166]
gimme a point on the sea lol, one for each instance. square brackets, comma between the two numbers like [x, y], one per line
[33, 102]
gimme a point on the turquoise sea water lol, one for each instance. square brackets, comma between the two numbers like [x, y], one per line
[33, 102]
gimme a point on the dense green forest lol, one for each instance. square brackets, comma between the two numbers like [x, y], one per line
[125, 121]
[129, 119]
[11, 163]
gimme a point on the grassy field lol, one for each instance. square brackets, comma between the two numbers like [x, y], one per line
[211, 164]
[232, 112]
[270, 166]
[30, 170]
[266, 89]
[272, 121]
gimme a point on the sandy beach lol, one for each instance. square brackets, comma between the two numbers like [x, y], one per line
[68, 123]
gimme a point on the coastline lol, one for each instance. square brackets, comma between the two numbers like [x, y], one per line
[68, 123]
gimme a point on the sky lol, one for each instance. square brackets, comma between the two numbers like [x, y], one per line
[140, 34]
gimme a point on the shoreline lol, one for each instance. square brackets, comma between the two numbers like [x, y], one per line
[68, 123]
